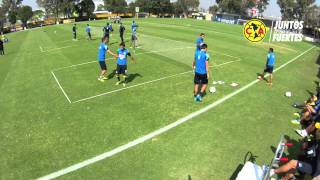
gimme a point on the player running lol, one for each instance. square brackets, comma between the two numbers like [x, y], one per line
[271, 59]
[103, 48]
[74, 31]
[121, 31]
[122, 63]
[134, 38]
[88, 30]
[200, 41]
[201, 67]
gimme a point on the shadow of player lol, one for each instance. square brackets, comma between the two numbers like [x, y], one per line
[131, 77]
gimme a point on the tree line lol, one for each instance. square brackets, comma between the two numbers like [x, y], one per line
[290, 9]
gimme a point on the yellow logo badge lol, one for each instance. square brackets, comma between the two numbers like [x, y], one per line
[255, 30]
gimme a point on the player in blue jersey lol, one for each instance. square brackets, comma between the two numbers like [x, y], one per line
[200, 41]
[271, 60]
[134, 37]
[103, 49]
[88, 31]
[122, 63]
[200, 66]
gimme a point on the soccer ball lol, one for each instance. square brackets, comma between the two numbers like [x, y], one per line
[212, 89]
[288, 94]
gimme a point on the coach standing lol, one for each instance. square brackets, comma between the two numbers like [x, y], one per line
[74, 31]
[1, 47]
[121, 31]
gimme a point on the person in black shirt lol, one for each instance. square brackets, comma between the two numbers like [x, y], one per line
[121, 30]
[106, 31]
[74, 31]
[1, 47]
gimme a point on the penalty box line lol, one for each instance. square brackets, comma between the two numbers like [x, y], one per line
[147, 82]
[160, 131]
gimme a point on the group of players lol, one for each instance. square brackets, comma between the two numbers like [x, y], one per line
[120, 56]
[200, 64]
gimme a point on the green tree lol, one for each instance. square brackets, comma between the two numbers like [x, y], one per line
[38, 15]
[100, 7]
[294, 9]
[12, 17]
[241, 6]
[85, 7]
[116, 6]
[24, 14]
[188, 6]
[213, 9]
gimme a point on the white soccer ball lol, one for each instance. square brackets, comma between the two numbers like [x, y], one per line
[288, 94]
[212, 89]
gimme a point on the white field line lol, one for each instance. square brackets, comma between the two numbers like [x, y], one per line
[148, 52]
[181, 26]
[159, 131]
[65, 94]
[190, 43]
[41, 49]
[147, 82]
[54, 49]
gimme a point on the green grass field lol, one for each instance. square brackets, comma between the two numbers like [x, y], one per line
[42, 132]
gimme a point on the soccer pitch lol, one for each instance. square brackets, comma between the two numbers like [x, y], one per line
[57, 118]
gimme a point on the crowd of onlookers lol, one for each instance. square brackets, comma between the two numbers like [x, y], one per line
[307, 165]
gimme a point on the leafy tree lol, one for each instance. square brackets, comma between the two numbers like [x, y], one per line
[294, 9]
[12, 17]
[188, 6]
[116, 6]
[241, 6]
[213, 9]
[24, 14]
[38, 15]
[100, 7]
[85, 6]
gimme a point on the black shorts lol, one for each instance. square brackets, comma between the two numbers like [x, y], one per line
[269, 69]
[304, 167]
[107, 36]
[122, 69]
[103, 65]
[134, 37]
[200, 79]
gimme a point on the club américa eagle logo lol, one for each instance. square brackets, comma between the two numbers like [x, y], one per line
[255, 30]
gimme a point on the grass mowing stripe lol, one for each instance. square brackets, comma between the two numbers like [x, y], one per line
[148, 82]
[159, 131]
[65, 94]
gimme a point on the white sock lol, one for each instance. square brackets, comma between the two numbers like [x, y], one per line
[304, 133]
[272, 172]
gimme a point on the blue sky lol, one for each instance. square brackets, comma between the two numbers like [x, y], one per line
[272, 10]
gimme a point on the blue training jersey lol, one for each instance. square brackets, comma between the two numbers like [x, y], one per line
[201, 57]
[271, 59]
[122, 56]
[199, 42]
[88, 29]
[102, 52]
[134, 27]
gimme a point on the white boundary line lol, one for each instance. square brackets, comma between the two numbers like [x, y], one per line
[41, 49]
[65, 94]
[148, 82]
[157, 132]
[148, 52]
[55, 49]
